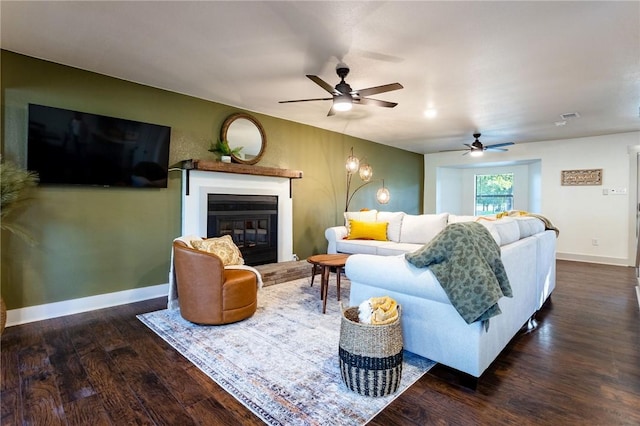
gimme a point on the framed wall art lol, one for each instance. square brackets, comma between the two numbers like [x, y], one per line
[581, 177]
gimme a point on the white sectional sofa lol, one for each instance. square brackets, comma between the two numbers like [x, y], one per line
[405, 233]
[431, 325]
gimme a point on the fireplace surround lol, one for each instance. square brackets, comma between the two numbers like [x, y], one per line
[198, 185]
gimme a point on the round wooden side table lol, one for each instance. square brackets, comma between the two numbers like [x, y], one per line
[326, 262]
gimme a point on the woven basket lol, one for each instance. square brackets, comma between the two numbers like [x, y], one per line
[370, 355]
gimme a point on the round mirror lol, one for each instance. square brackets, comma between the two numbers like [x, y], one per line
[245, 132]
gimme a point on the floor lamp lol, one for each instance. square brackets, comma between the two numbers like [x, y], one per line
[365, 171]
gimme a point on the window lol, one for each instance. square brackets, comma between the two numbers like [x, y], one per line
[494, 194]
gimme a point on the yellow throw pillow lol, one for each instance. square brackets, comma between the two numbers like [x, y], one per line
[367, 230]
[223, 247]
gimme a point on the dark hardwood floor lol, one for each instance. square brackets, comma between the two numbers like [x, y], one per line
[581, 366]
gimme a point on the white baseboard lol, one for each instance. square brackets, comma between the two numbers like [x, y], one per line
[84, 304]
[593, 259]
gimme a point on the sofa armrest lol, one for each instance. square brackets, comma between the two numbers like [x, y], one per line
[334, 234]
[393, 274]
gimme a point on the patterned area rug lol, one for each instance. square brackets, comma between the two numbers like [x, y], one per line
[282, 363]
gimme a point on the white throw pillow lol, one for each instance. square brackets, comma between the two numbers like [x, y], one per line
[362, 216]
[420, 229]
[394, 219]
[454, 218]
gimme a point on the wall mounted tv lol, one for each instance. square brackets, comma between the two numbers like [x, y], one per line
[78, 148]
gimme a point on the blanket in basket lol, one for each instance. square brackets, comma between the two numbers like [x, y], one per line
[465, 259]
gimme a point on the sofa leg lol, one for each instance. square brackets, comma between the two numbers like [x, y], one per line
[532, 324]
[455, 377]
[468, 381]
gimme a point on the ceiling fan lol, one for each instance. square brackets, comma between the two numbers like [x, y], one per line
[476, 149]
[344, 97]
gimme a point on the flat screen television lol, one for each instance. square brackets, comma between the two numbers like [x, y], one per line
[78, 148]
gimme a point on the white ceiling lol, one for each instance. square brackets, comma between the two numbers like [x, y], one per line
[505, 69]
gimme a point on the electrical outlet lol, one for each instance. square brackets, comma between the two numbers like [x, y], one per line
[595, 242]
[617, 191]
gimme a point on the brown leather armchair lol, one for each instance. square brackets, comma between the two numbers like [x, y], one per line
[208, 293]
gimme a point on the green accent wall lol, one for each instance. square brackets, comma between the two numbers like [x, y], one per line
[93, 240]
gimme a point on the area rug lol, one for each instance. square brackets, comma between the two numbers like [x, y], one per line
[282, 363]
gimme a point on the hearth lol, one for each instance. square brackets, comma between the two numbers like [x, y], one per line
[252, 222]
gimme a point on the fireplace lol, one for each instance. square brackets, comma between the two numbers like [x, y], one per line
[252, 222]
[199, 185]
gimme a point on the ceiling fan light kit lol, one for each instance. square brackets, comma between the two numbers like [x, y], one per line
[342, 103]
[344, 97]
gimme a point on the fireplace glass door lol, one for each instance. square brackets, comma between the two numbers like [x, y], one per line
[252, 222]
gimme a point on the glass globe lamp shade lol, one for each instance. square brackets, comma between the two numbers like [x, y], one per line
[366, 172]
[383, 195]
[352, 164]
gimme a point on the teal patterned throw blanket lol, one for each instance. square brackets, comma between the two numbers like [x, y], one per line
[465, 259]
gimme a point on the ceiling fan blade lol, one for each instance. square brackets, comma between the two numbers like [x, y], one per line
[453, 150]
[378, 89]
[376, 102]
[320, 82]
[305, 100]
[495, 149]
[498, 145]
[331, 111]
[467, 145]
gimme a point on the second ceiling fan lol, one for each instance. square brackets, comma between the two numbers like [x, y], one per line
[477, 148]
[344, 97]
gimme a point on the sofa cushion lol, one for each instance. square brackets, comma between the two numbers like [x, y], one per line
[394, 219]
[363, 216]
[359, 246]
[393, 249]
[454, 218]
[420, 229]
[529, 226]
[504, 231]
[223, 247]
[359, 230]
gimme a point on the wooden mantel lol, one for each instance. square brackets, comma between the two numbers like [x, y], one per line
[219, 166]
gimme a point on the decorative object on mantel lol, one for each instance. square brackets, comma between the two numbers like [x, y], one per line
[14, 185]
[245, 136]
[222, 149]
[365, 171]
[581, 177]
